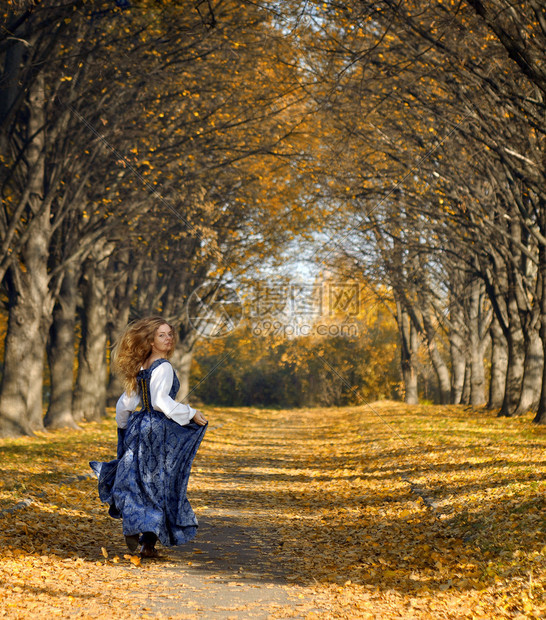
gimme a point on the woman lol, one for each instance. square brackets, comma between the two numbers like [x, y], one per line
[157, 441]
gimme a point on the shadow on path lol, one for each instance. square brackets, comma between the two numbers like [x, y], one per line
[228, 571]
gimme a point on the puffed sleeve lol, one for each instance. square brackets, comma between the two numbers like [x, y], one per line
[124, 407]
[161, 382]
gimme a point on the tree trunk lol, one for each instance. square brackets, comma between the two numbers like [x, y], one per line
[61, 351]
[477, 378]
[29, 298]
[20, 409]
[124, 273]
[35, 399]
[440, 367]
[458, 366]
[408, 353]
[181, 361]
[465, 396]
[477, 346]
[90, 393]
[499, 365]
[458, 355]
[540, 417]
[534, 360]
[115, 386]
[516, 361]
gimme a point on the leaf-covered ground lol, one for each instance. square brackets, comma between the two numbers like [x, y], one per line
[382, 511]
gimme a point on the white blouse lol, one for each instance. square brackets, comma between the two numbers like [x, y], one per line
[161, 383]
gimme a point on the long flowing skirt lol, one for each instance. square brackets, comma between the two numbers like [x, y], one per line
[146, 486]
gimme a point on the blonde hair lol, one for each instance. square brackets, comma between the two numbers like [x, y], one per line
[134, 347]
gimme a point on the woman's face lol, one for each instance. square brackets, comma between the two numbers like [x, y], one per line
[163, 340]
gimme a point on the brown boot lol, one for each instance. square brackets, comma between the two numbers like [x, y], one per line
[148, 551]
[132, 542]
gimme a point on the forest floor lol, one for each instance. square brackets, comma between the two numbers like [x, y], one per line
[381, 511]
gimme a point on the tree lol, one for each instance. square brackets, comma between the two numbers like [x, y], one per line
[428, 65]
[200, 108]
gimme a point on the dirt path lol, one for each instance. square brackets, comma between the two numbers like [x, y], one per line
[314, 515]
[234, 569]
[222, 575]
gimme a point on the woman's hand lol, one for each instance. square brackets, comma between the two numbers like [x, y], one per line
[199, 418]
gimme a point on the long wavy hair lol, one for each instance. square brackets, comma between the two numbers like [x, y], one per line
[134, 347]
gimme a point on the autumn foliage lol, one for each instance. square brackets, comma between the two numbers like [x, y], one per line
[149, 148]
[380, 511]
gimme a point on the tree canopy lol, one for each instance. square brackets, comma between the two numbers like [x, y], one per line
[148, 148]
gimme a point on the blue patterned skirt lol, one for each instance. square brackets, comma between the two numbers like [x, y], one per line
[146, 485]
